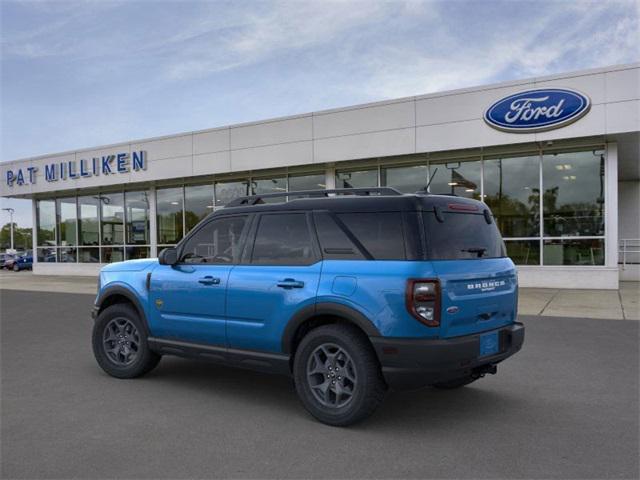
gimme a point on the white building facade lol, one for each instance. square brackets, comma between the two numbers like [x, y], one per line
[556, 158]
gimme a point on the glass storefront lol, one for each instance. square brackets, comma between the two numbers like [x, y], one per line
[562, 226]
[198, 203]
[169, 205]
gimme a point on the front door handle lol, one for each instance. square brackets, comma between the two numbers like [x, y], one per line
[209, 280]
[290, 283]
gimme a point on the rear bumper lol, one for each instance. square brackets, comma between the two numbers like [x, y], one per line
[409, 363]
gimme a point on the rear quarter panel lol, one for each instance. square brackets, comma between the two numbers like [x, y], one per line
[376, 288]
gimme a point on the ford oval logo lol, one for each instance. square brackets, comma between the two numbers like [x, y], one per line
[537, 110]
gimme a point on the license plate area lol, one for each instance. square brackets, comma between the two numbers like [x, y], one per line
[489, 344]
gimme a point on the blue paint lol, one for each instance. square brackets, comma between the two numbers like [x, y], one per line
[51, 172]
[122, 163]
[537, 110]
[106, 164]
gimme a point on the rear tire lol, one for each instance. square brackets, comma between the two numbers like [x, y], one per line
[337, 375]
[16, 268]
[119, 343]
[455, 383]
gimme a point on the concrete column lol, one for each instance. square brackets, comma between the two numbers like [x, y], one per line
[330, 177]
[611, 205]
[153, 225]
[34, 232]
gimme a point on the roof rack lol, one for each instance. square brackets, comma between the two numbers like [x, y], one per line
[258, 199]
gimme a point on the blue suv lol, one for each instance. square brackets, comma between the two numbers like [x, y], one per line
[351, 292]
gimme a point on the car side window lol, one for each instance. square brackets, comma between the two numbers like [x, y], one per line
[283, 239]
[381, 233]
[334, 242]
[217, 242]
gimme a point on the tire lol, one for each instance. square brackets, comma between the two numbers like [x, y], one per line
[16, 268]
[455, 383]
[360, 380]
[120, 327]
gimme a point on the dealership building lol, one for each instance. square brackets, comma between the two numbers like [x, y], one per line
[556, 158]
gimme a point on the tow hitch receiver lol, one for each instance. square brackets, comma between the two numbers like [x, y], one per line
[480, 372]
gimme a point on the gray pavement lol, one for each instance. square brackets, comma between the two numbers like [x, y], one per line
[564, 407]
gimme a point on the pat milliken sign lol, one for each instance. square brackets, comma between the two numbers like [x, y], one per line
[105, 165]
[537, 110]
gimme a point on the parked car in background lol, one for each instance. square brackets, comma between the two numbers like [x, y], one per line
[7, 260]
[23, 262]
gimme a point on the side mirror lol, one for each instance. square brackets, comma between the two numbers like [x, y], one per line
[168, 256]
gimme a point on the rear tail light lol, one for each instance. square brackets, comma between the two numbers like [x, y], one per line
[423, 301]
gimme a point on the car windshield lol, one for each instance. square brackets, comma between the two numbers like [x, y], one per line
[462, 236]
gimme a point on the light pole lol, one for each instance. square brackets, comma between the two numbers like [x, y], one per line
[11, 212]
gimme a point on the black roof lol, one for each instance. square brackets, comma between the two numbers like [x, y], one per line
[388, 200]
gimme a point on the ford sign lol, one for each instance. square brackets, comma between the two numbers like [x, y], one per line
[537, 110]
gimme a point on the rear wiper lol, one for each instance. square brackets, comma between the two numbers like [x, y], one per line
[478, 250]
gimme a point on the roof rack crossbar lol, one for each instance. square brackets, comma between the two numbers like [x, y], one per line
[257, 199]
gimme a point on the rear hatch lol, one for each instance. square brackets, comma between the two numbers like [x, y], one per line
[479, 286]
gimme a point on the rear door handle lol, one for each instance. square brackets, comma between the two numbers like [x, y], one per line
[209, 280]
[290, 283]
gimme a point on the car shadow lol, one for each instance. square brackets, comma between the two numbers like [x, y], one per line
[410, 410]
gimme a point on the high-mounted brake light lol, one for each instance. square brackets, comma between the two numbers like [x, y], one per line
[423, 301]
[463, 207]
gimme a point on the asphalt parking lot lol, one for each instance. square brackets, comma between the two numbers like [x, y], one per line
[566, 406]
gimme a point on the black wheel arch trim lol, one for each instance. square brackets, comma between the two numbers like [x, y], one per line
[128, 294]
[326, 308]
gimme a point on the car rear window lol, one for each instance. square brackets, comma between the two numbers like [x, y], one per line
[462, 236]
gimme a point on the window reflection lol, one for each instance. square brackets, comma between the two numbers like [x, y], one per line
[574, 252]
[512, 191]
[456, 178]
[314, 181]
[46, 218]
[198, 203]
[169, 208]
[112, 224]
[523, 252]
[228, 191]
[269, 185]
[405, 179]
[137, 217]
[67, 212]
[573, 198]
[357, 179]
[88, 220]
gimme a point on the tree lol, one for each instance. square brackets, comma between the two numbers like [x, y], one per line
[21, 237]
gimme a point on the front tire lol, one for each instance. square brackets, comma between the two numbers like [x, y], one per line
[16, 268]
[337, 375]
[119, 343]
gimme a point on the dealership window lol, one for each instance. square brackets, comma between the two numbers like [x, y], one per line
[512, 191]
[269, 185]
[88, 223]
[573, 195]
[169, 218]
[112, 218]
[313, 181]
[228, 191]
[357, 178]
[137, 228]
[137, 218]
[198, 203]
[46, 219]
[523, 252]
[460, 178]
[405, 179]
[67, 221]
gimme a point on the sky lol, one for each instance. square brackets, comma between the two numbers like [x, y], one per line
[86, 73]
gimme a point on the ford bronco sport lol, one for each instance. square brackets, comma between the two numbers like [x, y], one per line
[350, 292]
